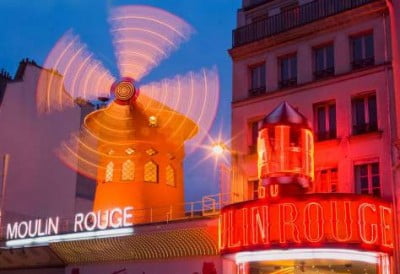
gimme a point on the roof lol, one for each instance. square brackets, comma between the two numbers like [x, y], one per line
[286, 114]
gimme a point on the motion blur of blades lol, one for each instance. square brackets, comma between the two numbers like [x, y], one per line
[143, 36]
[73, 72]
[176, 112]
[195, 95]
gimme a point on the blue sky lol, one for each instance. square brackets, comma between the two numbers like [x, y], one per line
[31, 28]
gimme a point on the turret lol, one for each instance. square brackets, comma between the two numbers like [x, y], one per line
[285, 152]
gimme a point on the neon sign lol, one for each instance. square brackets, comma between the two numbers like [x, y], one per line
[312, 220]
[99, 220]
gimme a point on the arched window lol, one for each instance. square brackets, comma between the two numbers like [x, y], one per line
[151, 172]
[128, 171]
[170, 176]
[109, 172]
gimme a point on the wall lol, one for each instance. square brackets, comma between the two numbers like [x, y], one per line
[38, 184]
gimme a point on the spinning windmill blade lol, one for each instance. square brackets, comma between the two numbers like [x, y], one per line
[142, 37]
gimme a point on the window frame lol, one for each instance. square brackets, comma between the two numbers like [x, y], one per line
[367, 126]
[251, 139]
[328, 186]
[358, 189]
[325, 71]
[364, 61]
[174, 174]
[260, 88]
[291, 80]
[157, 172]
[328, 133]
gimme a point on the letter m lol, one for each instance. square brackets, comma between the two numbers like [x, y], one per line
[12, 231]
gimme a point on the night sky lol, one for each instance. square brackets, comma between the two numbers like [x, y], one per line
[31, 28]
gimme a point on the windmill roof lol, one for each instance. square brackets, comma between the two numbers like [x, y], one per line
[286, 114]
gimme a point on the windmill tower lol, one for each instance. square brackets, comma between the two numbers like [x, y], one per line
[134, 147]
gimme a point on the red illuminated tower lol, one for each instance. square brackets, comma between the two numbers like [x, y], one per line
[285, 152]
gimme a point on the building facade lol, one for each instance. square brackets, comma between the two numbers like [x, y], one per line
[335, 62]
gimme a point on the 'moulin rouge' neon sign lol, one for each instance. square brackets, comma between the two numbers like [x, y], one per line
[312, 220]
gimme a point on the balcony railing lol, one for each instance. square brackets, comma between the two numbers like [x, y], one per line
[364, 128]
[298, 16]
[324, 73]
[325, 135]
[288, 82]
[363, 63]
[257, 91]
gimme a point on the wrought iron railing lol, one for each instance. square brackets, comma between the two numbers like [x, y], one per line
[295, 17]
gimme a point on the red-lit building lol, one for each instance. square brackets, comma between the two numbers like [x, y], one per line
[336, 62]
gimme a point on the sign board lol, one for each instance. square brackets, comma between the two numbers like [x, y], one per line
[311, 220]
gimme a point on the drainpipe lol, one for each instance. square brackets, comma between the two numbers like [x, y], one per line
[394, 16]
[6, 159]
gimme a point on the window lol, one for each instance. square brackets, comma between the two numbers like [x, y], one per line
[325, 121]
[170, 176]
[288, 71]
[367, 179]
[253, 136]
[128, 171]
[109, 172]
[326, 180]
[257, 79]
[323, 62]
[362, 47]
[364, 114]
[252, 188]
[151, 172]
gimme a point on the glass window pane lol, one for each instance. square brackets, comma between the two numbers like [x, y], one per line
[372, 112]
[364, 182]
[254, 78]
[329, 57]
[321, 121]
[357, 48]
[369, 45]
[284, 69]
[363, 170]
[358, 112]
[375, 168]
[375, 181]
[332, 119]
[293, 67]
[262, 75]
[319, 59]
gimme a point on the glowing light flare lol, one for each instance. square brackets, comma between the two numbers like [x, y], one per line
[145, 35]
[218, 149]
[194, 95]
[75, 73]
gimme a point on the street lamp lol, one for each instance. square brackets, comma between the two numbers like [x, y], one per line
[218, 149]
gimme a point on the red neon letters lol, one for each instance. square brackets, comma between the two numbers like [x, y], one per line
[309, 220]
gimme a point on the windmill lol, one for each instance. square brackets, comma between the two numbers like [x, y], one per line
[134, 147]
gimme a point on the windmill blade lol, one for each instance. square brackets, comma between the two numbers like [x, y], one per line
[143, 36]
[72, 72]
[195, 95]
